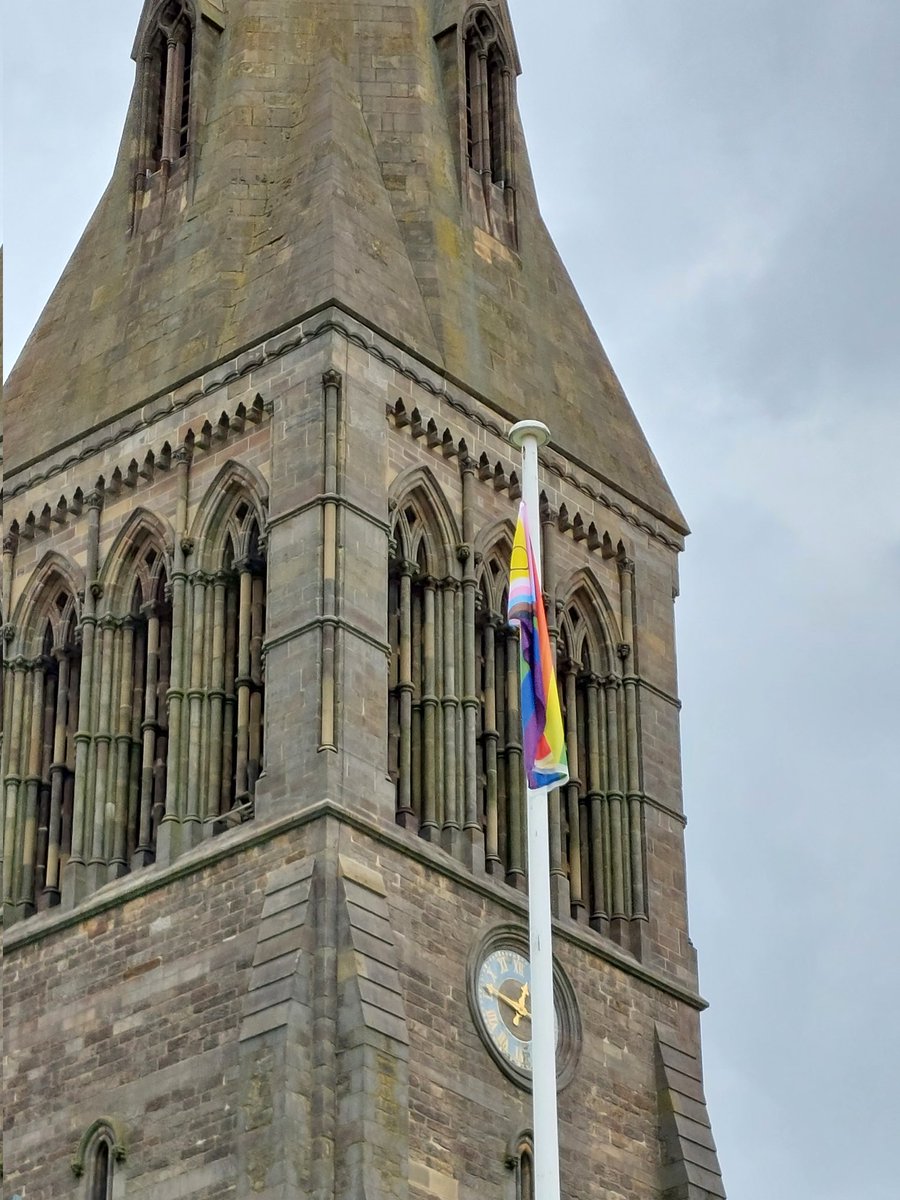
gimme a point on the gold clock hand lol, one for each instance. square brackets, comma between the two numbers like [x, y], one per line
[516, 1005]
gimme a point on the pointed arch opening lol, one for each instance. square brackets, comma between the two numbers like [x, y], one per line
[167, 66]
[132, 676]
[501, 783]
[228, 688]
[489, 129]
[100, 1153]
[601, 832]
[39, 785]
[487, 96]
[145, 652]
[520, 1161]
[425, 632]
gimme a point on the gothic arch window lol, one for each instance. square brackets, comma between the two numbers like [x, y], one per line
[237, 682]
[499, 735]
[101, 1171]
[601, 816]
[488, 155]
[126, 756]
[520, 1160]
[488, 84]
[226, 594]
[582, 666]
[167, 78]
[425, 618]
[40, 757]
[146, 648]
[97, 1160]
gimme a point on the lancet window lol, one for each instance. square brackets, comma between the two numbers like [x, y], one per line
[601, 817]
[501, 774]
[101, 1172]
[488, 99]
[426, 712]
[521, 1163]
[142, 733]
[39, 753]
[168, 73]
[235, 687]
[221, 702]
[97, 1159]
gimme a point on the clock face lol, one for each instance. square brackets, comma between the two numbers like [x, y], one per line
[499, 991]
[504, 1003]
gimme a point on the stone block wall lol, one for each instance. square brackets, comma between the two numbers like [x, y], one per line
[285, 1014]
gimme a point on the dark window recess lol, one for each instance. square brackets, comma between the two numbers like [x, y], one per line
[168, 114]
[162, 56]
[185, 102]
[102, 1177]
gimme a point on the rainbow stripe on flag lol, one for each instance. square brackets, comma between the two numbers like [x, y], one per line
[546, 764]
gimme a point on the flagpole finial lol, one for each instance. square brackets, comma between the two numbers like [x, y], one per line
[523, 430]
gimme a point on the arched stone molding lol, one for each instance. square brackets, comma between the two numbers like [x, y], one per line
[97, 1160]
[122, 751]
[496, 538]
[110, 1128]
[489, 122]
[601, 807]
[217, 519]
[221, 697]
[598, 629]
[421, 517]
[426, 724]
[482, 23]
[36, 605]
[520, 1161]
[499, 733]
[126, 565]
[154, 15]
[41, 713]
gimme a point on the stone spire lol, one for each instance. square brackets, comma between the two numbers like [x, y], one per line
[326, 167]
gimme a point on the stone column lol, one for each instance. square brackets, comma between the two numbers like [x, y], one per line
[616, 800]
[596, 786]
[12, 780]
[491, 736]
[515, 771]
[32, 751]
[449, 704]
[331, 381]
[118, 863]
[10, 546]
[99, 794]
[149, 731]
[430, 828]
[215, 734]
[74, 883]
[577, 882]
[58, 777]
[405, 813]
[474, 848]
[168, 839]
[196, 695]
[634, 783]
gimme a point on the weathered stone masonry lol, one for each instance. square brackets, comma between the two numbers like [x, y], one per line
[261, 766]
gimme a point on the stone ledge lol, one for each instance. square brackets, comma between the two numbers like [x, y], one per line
[258, 833]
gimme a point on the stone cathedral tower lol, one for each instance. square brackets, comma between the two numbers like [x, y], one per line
[262, 810]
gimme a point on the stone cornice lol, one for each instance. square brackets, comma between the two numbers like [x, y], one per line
[37, 928]
[332, 318]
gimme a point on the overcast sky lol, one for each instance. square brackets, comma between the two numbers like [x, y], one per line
[723, 180]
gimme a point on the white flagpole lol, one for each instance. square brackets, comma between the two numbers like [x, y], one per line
[527, 436]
